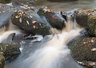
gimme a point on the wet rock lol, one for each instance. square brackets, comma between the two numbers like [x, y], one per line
[2, 61]
[10, 51]
[53, 18]
[30, 23]
[84, 22]
[87, 19]
[84, 50]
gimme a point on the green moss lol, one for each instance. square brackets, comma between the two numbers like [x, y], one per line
[2, 61]
[10, 51]
[2, 47]
[92, 24]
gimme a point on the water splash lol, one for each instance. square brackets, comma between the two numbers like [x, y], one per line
[6, 37]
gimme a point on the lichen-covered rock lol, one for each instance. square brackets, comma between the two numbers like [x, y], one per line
[2, 61]
[87, 19]
[53, 18]
[84, 49]
[10, 51]
[29, 23]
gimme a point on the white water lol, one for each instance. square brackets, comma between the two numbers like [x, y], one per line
[6, 34]
[51, 53]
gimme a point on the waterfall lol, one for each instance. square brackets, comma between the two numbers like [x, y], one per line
[51, 52]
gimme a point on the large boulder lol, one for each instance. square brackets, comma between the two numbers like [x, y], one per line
[84, 50]
[38, 22]
[87, 19]
[30, 23]
[53, 18]
[10, 51]
[2, 61]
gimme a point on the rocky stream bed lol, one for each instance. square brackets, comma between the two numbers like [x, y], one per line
[40, 22]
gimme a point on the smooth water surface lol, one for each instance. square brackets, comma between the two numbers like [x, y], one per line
[82, 4]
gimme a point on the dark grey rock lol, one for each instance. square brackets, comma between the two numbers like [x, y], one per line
[29, 23]
[54, 19]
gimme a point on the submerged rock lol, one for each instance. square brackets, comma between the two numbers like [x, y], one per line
[10, 51]
[28, 22]
[84, 50]
[2, 61]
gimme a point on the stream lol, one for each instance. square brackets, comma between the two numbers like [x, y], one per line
[52, 51]
[65, 6]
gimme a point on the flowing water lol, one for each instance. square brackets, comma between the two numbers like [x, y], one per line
[50, 52]
[63, 6]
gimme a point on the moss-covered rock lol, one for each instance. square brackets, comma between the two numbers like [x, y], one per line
[87, 19]
[92, 25]
[2, 61]
[82, 20]
[29, 23]
[10, 51]
[84, 49]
